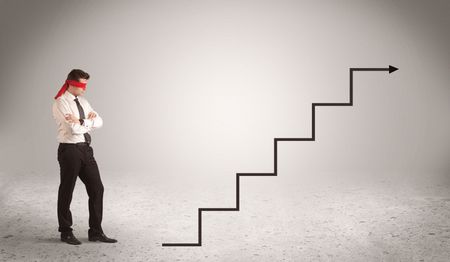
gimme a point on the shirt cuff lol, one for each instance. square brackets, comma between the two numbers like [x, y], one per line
[87, 122]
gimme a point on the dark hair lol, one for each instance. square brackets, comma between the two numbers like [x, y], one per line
[76, 74]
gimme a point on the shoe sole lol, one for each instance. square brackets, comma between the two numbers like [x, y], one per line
[70, 243]
[96, 239]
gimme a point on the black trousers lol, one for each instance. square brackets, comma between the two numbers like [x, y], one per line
[77, 160]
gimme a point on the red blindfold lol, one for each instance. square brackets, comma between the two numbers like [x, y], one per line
[66, 85]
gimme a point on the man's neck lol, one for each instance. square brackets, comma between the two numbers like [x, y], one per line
[73, 94]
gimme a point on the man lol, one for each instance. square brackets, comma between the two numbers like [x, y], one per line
[75, 118]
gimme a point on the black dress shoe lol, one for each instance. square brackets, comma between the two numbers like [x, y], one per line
[69, 238]
[101, 237]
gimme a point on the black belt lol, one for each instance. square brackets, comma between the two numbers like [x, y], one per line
[76, 144]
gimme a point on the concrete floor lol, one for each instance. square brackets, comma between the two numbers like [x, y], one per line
[279, 221]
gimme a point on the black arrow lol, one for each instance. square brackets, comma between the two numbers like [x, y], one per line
[390, 69]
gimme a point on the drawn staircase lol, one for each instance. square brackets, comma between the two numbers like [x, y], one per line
[389, 69]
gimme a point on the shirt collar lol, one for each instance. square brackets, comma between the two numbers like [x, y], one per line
[69, 95]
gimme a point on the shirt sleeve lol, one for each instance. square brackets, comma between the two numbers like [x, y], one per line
[95, 122]
[59, 112]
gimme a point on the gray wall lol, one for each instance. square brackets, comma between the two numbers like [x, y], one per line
[199, 89]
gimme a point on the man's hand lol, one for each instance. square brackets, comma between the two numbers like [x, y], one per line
[72, 119]
[92, 115]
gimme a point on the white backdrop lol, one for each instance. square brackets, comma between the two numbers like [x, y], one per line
[199, 89]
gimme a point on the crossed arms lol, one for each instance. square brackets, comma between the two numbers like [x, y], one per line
[62, 112]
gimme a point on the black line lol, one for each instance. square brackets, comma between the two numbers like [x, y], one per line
[390, 69]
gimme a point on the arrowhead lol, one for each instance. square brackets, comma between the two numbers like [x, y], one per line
[392, 69]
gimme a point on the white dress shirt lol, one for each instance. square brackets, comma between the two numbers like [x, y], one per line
[73, 132]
